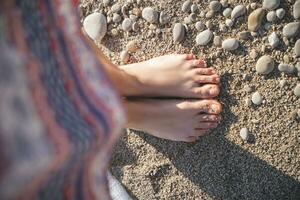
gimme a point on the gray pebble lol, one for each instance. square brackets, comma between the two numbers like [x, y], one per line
[253, 54]
[271, 4]
[95, 26]
[296, 10]
[244, 35]
[248, 88]
[199, 26]
[256, 98]
[280, 13]
[127, 24]
[135, 26]
[217, 41]
[194, 8]
[297, 48]
[116, 18]
[238, 11]
[244, 133]
[178, 33]
[215, 6]
[230, 44]
[116, 8]
[229, 22]
[227, 12]
[273, 40]
[265, 65]
[209, 24]
[186, 6]
[106, 2]
[282, 83]
[291, 29]
[271, 16]
[150, 15]
[209, 14]
[224, 3]
[193, 17]
[297, 90]
[255, 19]
[286, 68]
[204, 37]
[164, 18]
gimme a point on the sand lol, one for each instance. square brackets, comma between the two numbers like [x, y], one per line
[220, 165]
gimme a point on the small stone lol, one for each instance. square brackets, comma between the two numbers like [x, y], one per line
[271, 16]
[194, 8]
[229, 22]
[132, 46]
[164, 18]
[150, 15]
[244, 35]
[227, 12]
[124, 56]
[256, 98]
[253, 54]
[106, 2]
[248, 88]
[116, 18]
[280, 13]
[116, 8]
[217, 41]
[296, 10]
[297, 48]
[246, 77]
[199, 26]
[265, 65]
[238, 11]
[137, 12]
[282, 83]
[209, 24]
[286, 68]
[192, 17]
[271, 4]
[273, 40]
[209, 14]
[244, 133]
[135, 26]
[255, 19]
[253, 5]
[127, 24]
[95, 26]
[133, 18]
[297, 90]
[204, 37]
[248, 102]
[230, 44]
[223, 27]
[178, 33]
[224, 3]
[186, 6]
[291, 29]
[215, 6]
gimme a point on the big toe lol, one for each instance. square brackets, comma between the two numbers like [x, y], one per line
[207, 106]
[207, 91]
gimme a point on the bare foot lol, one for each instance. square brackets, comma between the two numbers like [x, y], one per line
[176, 120]
[175, 76]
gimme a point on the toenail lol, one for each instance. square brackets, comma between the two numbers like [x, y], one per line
[217, 79]
[214, 108]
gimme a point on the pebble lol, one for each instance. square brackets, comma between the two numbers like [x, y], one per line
[244, 35]
[192, 17]
[224, 3]
[116, 8]
[253, 5]
[256, 98]
[150, 15]
[273, 40]
[244, 133]
[209, 24]
[255, 19]
[194, 8]
[106, 2]
[297, 90]
[248, 88]
[132, 46]
[217, 41]
[127, 24]
[230, 44]
[164, 18]
[124, 56]
[227, 12]
[282, 83]
[178, 33]
[253, 54]
[204, 37]
[95, 26]
[186, 6]
[286, 68]
[291, 29]
[238, 11]
[271, 16]
[265, 65]
[297, 48]
[135, 26]
[116, 18]
[296, 10]
[209, 14]
[199, 26]
[229, 22]
[248, 102]
[215, 6]
[280, 13]
[271, 4]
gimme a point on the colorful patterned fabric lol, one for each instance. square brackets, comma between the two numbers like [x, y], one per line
[59, 114]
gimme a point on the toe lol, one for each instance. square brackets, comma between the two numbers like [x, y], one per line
[188, 56]
[206, 125]
[207, 106]
[207, 91]
[207, 79]
[208, 118]
[197, 63]
[204, 71]
[200, 132]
